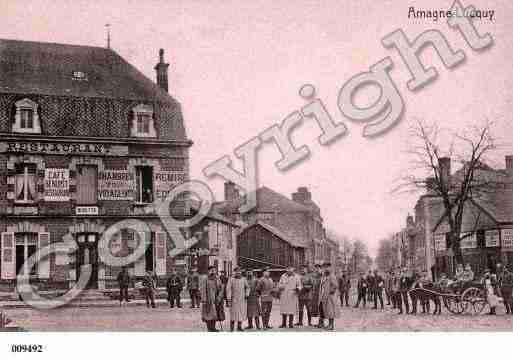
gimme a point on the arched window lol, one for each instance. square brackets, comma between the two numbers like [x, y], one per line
[26, 118]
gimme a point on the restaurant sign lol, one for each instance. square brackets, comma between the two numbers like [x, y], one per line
[56, 184]
[116, 185]
[62, 148]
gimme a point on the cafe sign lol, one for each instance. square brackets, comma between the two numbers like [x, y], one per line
[56, 184]
[116, 185]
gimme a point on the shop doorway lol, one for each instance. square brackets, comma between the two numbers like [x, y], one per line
[87, 254]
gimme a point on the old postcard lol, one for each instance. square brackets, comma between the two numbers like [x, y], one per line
[255, 166]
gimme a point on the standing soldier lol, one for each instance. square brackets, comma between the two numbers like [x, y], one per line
[305, 296]
[254, 309]
[388, 288]
[344, 286]
[193, 287]
[266, 288]
[174, 288]
[505, 283]
[211, 293]
[150, 285]
[237, 291]
[378, 283]
[396, 292]
[404, 287]
[315, 275]
[370, 286]
[224, 280]
[289, 287]
[328, 296]
[362, 291]
[124, 282]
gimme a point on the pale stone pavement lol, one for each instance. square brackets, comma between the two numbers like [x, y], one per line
[140, 318]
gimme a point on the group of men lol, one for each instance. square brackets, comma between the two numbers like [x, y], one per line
[250, 298]
[370, 288]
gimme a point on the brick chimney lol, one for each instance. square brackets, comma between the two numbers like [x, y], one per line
[231, 193]
[161, 70]
[509, 163]
[444, 164]
[302, 195]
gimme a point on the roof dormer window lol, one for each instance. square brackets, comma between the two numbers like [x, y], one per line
[143, 124]
[26, 119]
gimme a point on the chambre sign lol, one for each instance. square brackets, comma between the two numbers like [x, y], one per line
[116, 185]
[62, 148]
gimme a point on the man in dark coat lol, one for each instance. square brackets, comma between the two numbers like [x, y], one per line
[193, 287]
[404, 287]
[267, 290]
[344, 286]
[224, 280]
[362, 290]
[370, 286]
[254, 310]
[378, 284]
[174, 288]
[150, 285]
[211, 294]
[124, 282]
[505, 283]
[305, 295]
[315, 308]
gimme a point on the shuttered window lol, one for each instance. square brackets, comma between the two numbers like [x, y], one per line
[87, 185]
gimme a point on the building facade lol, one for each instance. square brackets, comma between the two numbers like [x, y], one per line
[298, 218]
[86, 142]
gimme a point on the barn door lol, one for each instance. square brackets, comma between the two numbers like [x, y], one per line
[160, 253]
[44, 263]
[8, 256]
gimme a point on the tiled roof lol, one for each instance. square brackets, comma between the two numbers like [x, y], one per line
[278, 233]
[267, 201]
[47, 68]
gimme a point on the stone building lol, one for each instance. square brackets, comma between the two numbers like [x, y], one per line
[86, 141]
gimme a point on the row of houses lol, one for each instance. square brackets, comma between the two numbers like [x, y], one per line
[88, 141]
[486, 231]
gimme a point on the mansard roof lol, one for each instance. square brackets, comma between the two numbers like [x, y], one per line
[48, 69]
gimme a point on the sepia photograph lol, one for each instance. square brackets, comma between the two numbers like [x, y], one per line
[271, 167]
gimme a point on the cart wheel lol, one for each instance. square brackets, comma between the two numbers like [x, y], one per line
[474, 297]
[454, 304]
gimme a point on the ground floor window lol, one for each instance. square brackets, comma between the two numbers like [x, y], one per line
[26, 246]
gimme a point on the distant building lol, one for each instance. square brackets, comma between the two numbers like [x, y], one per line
[298, 218]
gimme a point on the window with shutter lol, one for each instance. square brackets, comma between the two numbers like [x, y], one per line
[44, 262]
[8, 265]
[160, 252]
[87, 185]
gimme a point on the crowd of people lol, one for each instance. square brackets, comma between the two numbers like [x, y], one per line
[248, 296]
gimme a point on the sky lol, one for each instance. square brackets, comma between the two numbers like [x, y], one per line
[236, 68]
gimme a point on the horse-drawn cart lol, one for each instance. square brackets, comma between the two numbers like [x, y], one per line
[458, 298]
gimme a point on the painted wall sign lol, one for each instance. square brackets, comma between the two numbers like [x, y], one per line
[469, 242]
[507, 239]
[86, 211]
[116, 185]
[165, 181]
[56, 184]
[492, 238]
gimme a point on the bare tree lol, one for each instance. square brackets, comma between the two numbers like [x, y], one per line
[345, 245]
[431, 171]
[387, 256]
